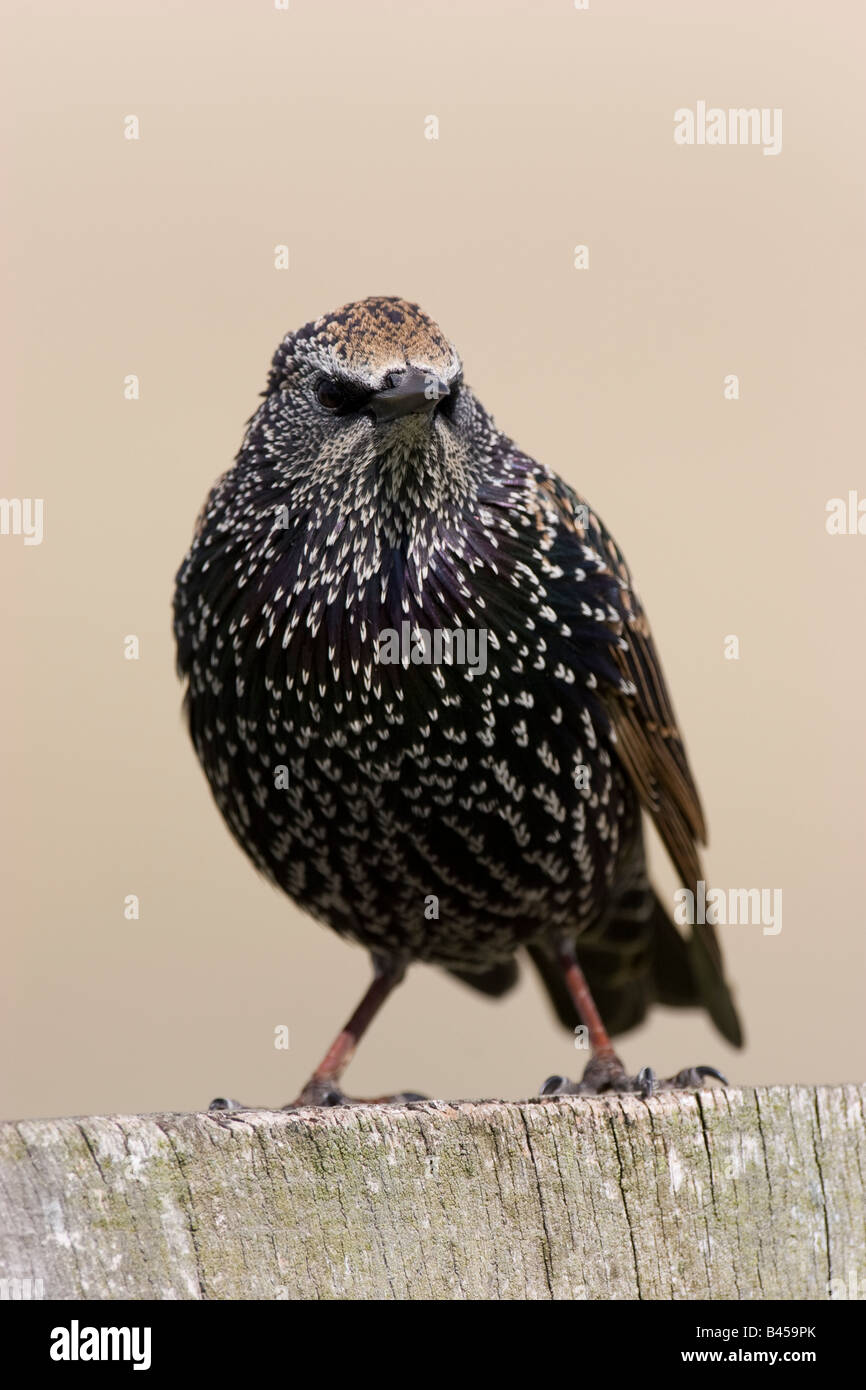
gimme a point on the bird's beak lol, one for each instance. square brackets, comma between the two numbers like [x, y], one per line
[412, 392]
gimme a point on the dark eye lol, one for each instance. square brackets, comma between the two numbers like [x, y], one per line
[341, 397]
[330, 395]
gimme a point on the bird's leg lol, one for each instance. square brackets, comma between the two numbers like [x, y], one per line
[604, 1070]
[323, 1086]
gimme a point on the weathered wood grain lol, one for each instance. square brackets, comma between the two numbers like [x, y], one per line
[747, 1194]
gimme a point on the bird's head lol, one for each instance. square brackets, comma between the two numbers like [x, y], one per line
[367, 405]
[367, 469]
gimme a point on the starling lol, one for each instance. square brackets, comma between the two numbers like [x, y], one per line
[376, 535]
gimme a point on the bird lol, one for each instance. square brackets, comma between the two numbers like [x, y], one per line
[428, 704]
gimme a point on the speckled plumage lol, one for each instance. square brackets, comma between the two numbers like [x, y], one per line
[406, 781]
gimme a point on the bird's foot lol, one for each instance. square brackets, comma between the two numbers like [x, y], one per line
[605, 1074]
[320, 1093]
[326, 1093]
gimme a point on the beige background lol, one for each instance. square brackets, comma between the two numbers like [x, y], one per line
[156, 257]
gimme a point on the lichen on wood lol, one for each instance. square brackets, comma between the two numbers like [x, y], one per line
[744, 1194]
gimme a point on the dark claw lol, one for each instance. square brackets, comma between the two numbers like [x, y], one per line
[646, 1080]
[552, 1085]
[711, 1071]
[222, 1103]
[692, 1078]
